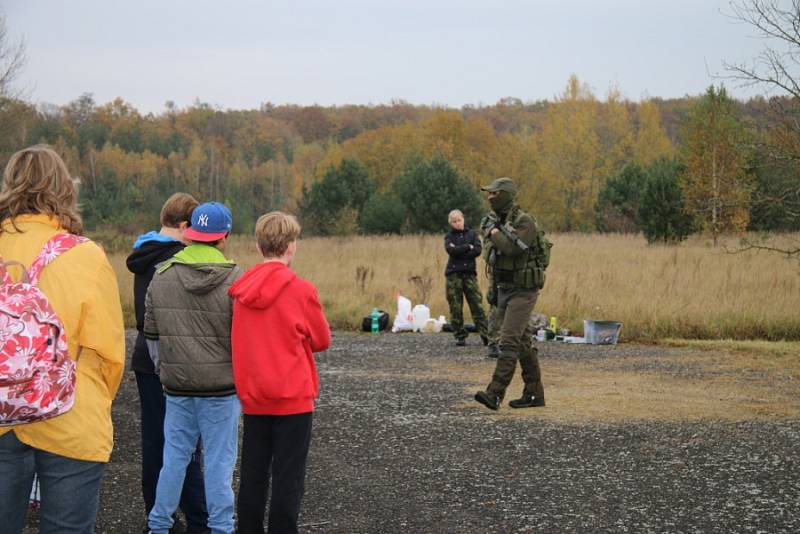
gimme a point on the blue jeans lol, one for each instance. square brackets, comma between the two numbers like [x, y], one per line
[153, 405]
[216, 421]
[69, 489]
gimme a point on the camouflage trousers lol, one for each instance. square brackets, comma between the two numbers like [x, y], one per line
[460, 286]
[514, 307]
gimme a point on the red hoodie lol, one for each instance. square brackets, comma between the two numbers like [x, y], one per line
[278, 324]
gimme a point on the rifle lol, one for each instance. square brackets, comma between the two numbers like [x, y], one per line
[512, 236]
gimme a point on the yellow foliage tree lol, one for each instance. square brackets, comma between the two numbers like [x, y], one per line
[304, 164]
[651, 139]
[516, 156]
[615, 133]
[717, 185]
[570, 159]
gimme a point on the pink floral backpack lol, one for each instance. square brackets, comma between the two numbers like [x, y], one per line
[37, 376]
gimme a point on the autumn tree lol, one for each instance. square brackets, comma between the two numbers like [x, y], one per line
[717, 184]
[615, 133]
[651, 138]
[517, 156]
[570, 160]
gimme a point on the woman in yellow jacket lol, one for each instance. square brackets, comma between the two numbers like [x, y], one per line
[38, 199]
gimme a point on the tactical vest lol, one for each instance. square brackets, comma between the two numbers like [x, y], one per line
[525, 271]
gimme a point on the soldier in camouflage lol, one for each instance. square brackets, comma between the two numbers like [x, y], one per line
[518, 277]
[463, 245]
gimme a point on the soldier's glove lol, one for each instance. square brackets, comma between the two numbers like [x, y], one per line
[488, 223]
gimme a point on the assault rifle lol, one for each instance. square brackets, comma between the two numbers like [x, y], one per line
[512, 236]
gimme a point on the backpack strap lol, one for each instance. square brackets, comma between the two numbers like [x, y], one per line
[55, 246]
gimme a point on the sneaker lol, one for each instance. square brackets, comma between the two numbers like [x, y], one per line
[490, 401]
[461, 342]
[485, 340]
[527, 401]
[494, 352]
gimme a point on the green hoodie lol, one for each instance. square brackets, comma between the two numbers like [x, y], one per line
[196, 254]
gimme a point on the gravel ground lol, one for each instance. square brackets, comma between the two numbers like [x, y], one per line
[393, 452]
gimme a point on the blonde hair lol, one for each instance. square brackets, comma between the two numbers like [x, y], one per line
[452, 215]
[36, 181]
[274, 231]
[177, 209]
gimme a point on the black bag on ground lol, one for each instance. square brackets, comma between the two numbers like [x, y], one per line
[383, 322]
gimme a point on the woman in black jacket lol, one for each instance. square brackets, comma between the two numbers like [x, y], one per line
[463, 245]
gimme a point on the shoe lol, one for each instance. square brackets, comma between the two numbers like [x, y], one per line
[490, 401]
[494, 352]
[461, 342]
[527, 401]
[485, 340]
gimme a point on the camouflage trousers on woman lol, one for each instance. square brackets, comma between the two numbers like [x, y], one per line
[460, 286]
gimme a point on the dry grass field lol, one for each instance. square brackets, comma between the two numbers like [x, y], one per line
[686, 291]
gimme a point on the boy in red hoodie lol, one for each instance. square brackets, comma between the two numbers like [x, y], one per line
[278, 324]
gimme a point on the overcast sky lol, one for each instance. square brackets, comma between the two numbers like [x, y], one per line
[240, 53]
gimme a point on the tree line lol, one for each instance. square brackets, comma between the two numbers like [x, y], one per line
[663, 167]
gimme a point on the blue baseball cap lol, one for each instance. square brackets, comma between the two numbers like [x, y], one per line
[210, 222]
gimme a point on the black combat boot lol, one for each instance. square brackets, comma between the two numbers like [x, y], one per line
[494, 351]
[461, 342]
[485, 340]
[487, 399]
[527, 401]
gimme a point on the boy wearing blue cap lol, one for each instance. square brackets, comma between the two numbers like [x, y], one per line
[149, 251]
[187, 325]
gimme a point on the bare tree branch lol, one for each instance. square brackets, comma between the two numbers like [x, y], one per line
[12, 59]
[771, 23]
[789, 252]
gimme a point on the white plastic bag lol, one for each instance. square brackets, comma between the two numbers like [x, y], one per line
[403, 320]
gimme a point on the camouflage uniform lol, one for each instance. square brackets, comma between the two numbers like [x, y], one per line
[517, 279]
[461, 286]
[463, 246]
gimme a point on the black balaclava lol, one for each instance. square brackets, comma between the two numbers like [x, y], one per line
[501, 203]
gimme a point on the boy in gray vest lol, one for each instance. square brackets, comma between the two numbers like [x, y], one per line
[187, 325]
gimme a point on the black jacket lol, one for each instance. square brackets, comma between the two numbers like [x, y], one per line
[462, 256]
[142, 263]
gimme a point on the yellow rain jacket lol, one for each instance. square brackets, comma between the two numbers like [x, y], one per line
[82, 288]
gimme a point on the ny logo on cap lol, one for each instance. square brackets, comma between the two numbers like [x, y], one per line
[202, 220]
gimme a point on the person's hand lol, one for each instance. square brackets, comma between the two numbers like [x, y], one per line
[450, 244]
[494, 231]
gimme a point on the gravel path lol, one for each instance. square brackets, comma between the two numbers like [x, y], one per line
[393, 452]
